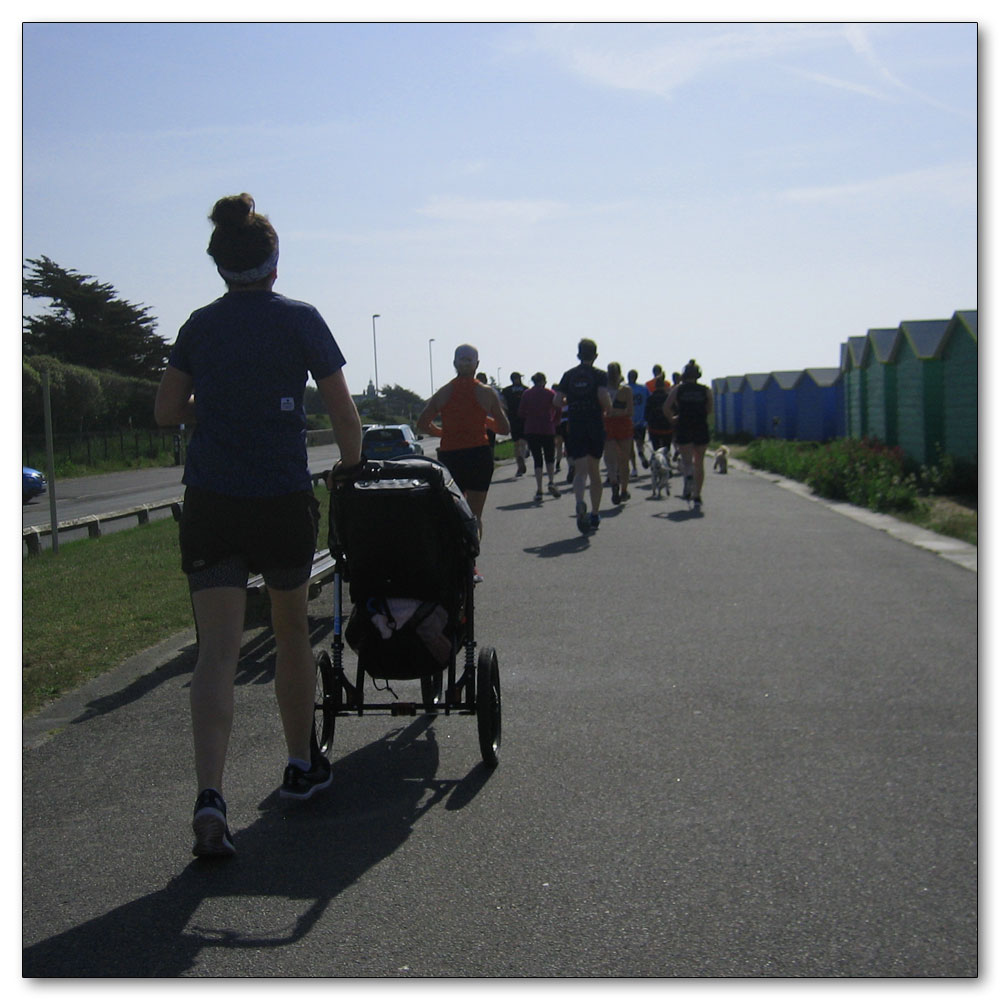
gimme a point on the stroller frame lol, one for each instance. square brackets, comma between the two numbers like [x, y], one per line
[469, 684]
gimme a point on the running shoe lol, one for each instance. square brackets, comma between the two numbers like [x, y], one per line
[554, 490]
[582, 521]
[299, 784]
[625, 495]
[615, 494]
[212, 838]
[477, 577]
[595, 521]
[539, 496]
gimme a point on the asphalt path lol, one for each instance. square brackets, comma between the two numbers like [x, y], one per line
[736, 745]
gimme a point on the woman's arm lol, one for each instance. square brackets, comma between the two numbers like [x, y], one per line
[174, 403]
[668, 406]
[425, 422]
[343, 415]
[490, 401]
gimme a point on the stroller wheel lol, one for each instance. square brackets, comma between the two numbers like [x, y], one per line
[488, 705]
[328, 702]
[430, 690]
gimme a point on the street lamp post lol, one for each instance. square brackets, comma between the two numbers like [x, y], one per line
[430, 361]
[375, 316]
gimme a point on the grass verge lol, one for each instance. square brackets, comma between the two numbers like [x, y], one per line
[100, 601]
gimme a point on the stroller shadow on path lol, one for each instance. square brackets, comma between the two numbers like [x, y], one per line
[300, 857]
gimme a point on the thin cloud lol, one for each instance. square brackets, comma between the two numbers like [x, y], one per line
[662, 61]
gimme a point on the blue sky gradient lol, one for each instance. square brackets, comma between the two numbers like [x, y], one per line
[750, 195]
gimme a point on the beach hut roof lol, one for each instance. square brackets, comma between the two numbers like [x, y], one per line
[857, 349]
[969, 318]
[885, 343]
[787, 380]
[824, 376]
[926, 337]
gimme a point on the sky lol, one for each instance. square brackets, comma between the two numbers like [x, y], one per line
[746, 194]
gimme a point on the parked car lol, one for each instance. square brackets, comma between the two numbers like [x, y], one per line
[32, 484]
[390, 441]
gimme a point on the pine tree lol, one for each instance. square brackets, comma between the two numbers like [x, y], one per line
[89, 325]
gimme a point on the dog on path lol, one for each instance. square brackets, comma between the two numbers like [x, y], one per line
[659, 468]
[722, 459]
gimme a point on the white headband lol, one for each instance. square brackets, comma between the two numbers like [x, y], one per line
[252, 275]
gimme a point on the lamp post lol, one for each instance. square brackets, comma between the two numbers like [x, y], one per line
[375, 316]
[430, 361]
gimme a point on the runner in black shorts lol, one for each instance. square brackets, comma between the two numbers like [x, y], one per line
[585, 390]
[692, 403]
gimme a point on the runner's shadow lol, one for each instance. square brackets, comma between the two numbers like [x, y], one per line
[297, 859]
[256, 666]
[681, 515]
[562, 547]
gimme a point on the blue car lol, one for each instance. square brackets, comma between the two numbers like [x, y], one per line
[390, 441]
[32, 484]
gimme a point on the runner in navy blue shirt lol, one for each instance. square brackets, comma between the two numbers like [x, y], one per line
[238, 372]
[585, 391]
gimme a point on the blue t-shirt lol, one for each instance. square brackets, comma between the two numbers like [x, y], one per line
[250, 354]
[640, 394]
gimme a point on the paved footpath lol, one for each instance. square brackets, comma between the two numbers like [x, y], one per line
[736, 745]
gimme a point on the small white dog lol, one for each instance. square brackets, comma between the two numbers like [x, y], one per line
[659, 468]
[722, 459]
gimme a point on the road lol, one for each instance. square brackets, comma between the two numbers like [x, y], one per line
[737, 745]
[86, 496]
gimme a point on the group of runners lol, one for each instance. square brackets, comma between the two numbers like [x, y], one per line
[590, 414]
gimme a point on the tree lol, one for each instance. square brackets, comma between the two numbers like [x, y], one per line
[89, 325]
[392, 405]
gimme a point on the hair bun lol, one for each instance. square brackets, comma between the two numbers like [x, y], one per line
[233, 211]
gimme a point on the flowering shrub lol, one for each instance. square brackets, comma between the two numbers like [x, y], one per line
[866, 473]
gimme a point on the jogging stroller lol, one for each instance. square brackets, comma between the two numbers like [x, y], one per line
[404, 540]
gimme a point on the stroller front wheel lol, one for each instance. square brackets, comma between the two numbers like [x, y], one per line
[327, 702]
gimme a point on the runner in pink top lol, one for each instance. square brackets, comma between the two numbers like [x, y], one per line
[540, 415]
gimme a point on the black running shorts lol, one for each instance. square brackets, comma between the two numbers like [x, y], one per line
[224, 539]
[472, 468]
[586, 437]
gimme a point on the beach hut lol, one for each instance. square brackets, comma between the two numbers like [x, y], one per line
[960, 358]
[720, 401]
[735, 386]
[852, 358]
[753, 408]
[820, 405]
[879, 373]
[920, 388]
[781, 404]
